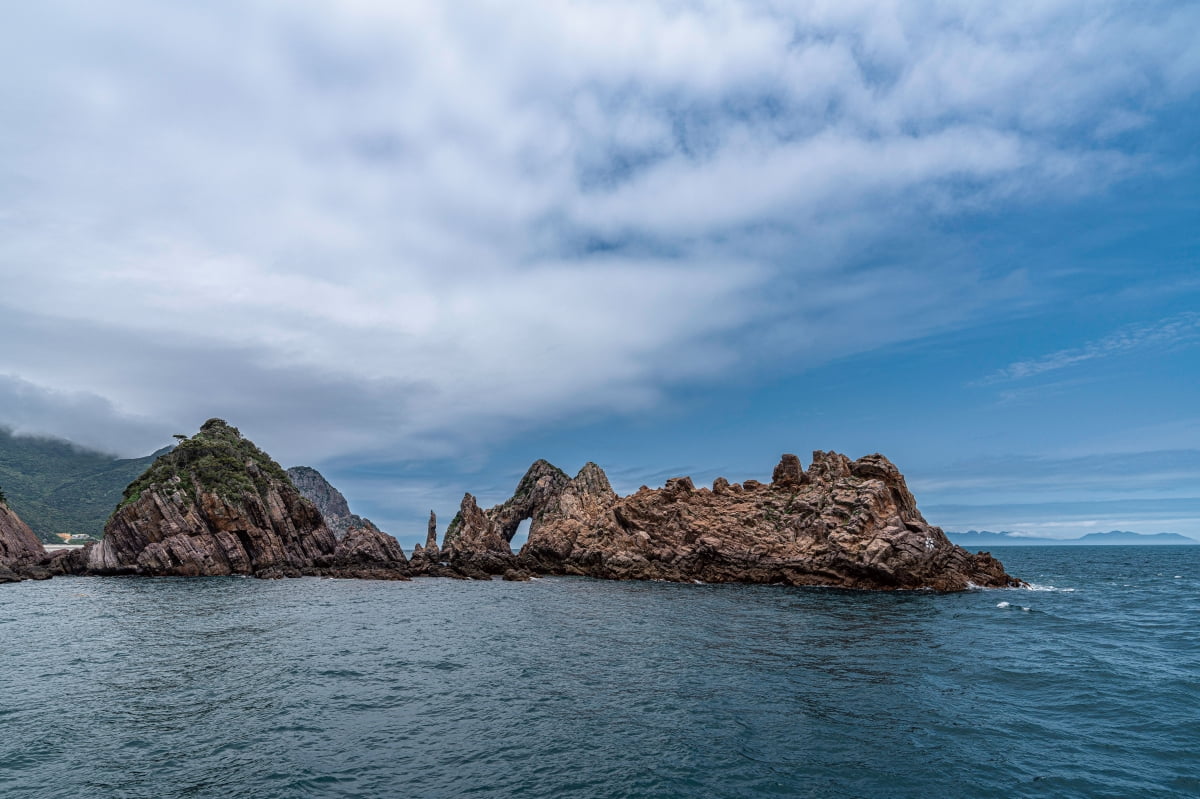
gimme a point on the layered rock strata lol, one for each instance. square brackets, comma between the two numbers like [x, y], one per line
[21, 554]
[843, 523]
[218, 505]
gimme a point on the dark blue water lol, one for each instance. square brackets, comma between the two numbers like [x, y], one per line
[558, 688]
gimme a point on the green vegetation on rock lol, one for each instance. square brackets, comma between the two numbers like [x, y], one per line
[58, 487]
[216, 460]
[453, 530]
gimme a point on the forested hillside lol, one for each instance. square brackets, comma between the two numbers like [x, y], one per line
[58, 487]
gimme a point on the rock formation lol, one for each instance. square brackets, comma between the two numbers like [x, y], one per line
[21, 553]
[313, 486]
[218, 505]
[840, 523]
[427, 560]
[477, 541]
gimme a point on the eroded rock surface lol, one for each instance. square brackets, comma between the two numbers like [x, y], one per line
[838, 523]
[218, 505]
[21, 554]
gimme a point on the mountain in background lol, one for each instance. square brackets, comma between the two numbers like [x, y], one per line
[313, 486]
[59, 487]
[983, 538]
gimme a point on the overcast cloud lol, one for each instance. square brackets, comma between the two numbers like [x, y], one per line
[422, 227]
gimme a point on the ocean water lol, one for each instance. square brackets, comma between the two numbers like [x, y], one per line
[1086, 686]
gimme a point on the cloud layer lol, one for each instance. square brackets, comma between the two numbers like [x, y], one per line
[423, 227]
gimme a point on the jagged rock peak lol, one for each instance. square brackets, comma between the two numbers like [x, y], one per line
[537, 470]
[828, 467]
[474, 544]
[333, 506]
[431, 533]
[536, 494]
[592, 480]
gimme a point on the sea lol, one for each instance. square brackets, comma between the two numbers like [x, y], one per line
[1086, 684]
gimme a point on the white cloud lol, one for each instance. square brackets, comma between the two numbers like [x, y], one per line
[1173, 331]
[429, 225]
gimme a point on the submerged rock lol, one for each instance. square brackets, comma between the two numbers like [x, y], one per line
[851, 524]
[218, 505]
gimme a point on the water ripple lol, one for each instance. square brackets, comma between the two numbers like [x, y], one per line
[579, 688]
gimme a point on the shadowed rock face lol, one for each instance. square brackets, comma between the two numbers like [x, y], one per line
[840, 523]
[20, 550]
[218, 505]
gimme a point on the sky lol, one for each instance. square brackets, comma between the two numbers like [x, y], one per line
[419, 245]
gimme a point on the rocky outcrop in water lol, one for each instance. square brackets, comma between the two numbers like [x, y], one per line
[218, 505]
[21, 554]
[838, 523]
[428, 561]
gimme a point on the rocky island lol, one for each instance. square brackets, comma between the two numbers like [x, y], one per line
[843, 523]
[218, 505]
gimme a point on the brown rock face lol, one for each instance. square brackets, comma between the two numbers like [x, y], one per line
[475, 544]
[217, 505]
[20, 550]
[429, 561]
[367, 552]
[534, 498]
[840, 523]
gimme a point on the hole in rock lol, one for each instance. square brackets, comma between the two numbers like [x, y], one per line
[520, 536]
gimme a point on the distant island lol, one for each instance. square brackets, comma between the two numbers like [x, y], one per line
[984, 538]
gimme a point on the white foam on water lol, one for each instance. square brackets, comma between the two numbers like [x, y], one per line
[1037, 587]
[1003, 605]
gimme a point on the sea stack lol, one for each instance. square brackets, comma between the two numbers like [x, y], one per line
[21, 554]
[219, 505]
[841, 523]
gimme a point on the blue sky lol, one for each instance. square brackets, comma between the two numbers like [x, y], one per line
[420, 245]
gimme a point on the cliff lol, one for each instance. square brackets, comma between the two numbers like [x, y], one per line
[20, 550]
[313, 486]
[838, 523]
[218, 505]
